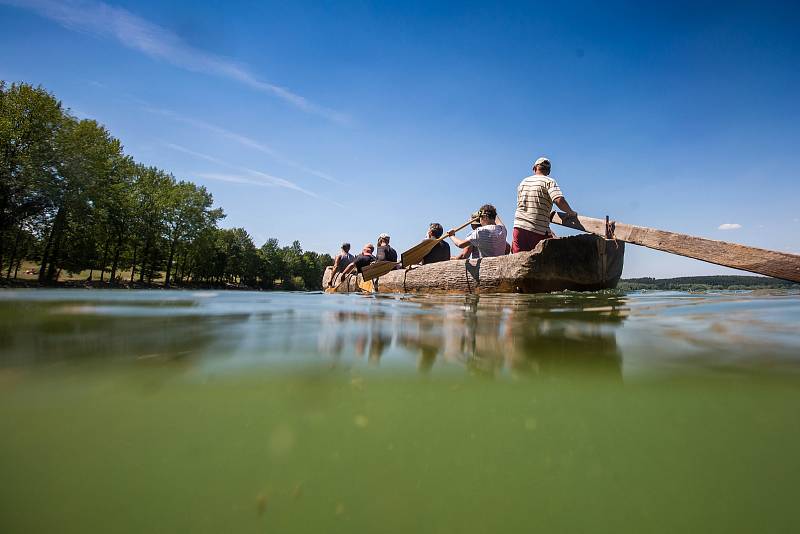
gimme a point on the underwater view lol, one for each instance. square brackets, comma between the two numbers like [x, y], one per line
[167, 411]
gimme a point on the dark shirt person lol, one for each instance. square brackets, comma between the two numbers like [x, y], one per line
[361, 261]
[441, 252]
[385, 252]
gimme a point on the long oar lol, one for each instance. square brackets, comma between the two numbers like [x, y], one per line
[415, 254]
[756, 260]
[378, 268]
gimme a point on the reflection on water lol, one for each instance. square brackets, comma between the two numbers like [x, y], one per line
[491, 335]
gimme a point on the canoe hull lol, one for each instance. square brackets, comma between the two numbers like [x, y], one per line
[577, 263]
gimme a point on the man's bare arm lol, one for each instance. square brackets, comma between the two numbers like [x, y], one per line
[562, 203]
[464, 255]
[460, 243]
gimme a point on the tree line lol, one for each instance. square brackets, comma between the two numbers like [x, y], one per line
[71, 200]
[699, 283]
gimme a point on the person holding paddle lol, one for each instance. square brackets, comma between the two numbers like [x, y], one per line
[361, 261]
[536, 194]
[440, 252]
[489, 238]
[342, 260]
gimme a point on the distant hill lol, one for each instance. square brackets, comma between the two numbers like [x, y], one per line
[706, 282]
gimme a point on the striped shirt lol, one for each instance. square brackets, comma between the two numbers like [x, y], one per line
[490, 240]
[535, 197]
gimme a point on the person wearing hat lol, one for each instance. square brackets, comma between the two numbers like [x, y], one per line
[341, 261]
[384, 251]
[489, 238]
[536, 195]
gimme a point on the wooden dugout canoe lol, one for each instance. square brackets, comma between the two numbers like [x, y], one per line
[578, 263]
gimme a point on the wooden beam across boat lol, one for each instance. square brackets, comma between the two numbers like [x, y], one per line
[781, 265]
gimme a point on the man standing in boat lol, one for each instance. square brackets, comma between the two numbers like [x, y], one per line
[489, 238]
[536, 195]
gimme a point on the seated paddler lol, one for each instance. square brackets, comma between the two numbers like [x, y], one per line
[489, 238]
[361, 261]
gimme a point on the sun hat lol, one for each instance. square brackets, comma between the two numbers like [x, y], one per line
[384, 236]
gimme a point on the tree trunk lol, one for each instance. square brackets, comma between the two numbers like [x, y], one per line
[46, 253]
[145, 254]
[13, 252]
[783, 265]
[16, 271]
[133, 267]
[49, 266]
[578, 263]
[104, 260]
[117, 251]
[169, 262]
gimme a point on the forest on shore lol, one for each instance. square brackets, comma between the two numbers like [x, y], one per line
[699, 283]
[72, 201]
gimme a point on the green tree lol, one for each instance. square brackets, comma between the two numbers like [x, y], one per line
[30, 119]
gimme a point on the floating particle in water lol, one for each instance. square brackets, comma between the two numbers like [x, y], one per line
[261, 503]
[361, 421]
[357, 383]
[281, 441]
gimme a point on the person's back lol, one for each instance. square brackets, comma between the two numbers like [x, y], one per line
[441, 252]
[345, 259]
[535, 196]
[386, 253]
[490, 240]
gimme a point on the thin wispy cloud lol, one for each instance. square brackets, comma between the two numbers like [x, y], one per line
[729, 226]
[243, 140]
[157, 42]
[247, 176]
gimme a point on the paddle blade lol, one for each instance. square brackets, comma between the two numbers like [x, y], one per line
[415, 254]
[367, 287]
[378, 268]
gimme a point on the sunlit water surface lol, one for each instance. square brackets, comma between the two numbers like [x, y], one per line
[177, 411]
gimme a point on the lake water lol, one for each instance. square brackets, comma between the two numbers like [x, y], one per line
[178, 411]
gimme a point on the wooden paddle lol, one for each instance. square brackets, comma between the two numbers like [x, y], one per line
[378, 268]
[415, 254]
[781, 265]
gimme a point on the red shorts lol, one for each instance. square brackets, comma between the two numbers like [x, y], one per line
[525, 240]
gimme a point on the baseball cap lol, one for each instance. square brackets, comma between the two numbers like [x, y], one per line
[383, 236]
[542, 161]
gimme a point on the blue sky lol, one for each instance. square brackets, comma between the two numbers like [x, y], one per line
[331, 121]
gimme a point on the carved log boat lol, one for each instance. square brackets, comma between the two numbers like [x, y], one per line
[578, 263]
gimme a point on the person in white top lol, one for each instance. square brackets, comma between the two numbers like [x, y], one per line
[489, 238]
[536, 195]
